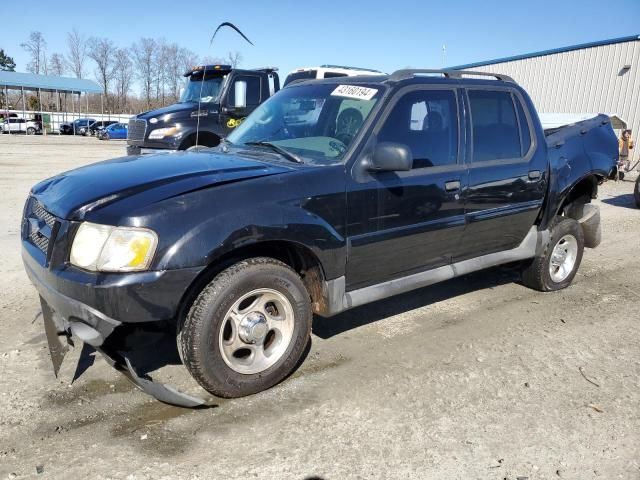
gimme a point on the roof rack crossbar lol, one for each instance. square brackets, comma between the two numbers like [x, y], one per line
[411, 72]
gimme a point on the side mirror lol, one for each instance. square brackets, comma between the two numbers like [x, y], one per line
[391, 157]
[239, 94]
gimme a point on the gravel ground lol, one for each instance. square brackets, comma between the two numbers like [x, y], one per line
[478, 377]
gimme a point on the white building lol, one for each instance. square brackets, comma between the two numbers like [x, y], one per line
[597, 77]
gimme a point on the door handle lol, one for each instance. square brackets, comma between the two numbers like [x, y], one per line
[534, 175]
[452, 185]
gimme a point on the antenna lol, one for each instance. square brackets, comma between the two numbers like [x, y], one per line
[444, 55]
[204, 70]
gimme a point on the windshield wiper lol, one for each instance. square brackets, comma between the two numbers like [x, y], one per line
[285, 153]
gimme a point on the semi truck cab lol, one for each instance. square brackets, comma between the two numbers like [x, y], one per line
[214, 101]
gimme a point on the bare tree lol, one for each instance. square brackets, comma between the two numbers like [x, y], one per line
[234, 58]
[209, 60]
[172, 70]
[188, 59]
[77, 54]
[101, 51]
[56, 65]
[144, 52]
[35, 46]
[160, 70]
[123, 75]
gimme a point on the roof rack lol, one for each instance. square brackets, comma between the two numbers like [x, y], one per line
[265, 69]
[411, 72]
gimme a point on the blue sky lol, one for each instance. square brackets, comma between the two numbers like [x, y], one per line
[379, 34]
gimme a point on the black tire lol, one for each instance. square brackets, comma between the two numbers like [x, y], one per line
[31, 131]
[536, 274]
[198, 339]
[105, 136]
[620, 175]
[636, 192]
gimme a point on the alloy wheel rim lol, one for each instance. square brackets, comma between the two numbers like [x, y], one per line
[256, 331]
[563, 258]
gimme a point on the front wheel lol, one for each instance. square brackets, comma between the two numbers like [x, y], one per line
[636, 192]
[248, 329]
[556, 268]
[31, 131]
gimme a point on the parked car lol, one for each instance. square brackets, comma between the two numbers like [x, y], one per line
[397, 182]
[215, 100]
[327, 71]
[115, 131]
[77, 127]
[100, 125]
[21, 125]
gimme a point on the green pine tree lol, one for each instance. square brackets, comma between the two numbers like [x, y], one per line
[6, 62]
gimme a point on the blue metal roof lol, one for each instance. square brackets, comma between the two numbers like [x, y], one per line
[570, 48]
[31, 81]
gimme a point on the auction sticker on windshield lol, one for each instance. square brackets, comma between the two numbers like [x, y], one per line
[354, 91]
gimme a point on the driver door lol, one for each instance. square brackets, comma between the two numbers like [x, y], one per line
[404, 222]
[244, 94]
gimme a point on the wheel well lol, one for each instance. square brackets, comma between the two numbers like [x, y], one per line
[296, 256]
[207, 139]
[581, 193]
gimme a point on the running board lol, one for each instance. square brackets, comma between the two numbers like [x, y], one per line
[338, 300]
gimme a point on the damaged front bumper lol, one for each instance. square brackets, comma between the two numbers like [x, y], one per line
[70, 318]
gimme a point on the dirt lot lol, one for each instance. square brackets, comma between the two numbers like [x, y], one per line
[474, 378]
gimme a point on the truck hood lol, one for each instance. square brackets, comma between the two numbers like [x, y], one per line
[72, 194]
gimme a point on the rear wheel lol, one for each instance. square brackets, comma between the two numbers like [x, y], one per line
[248, 329]
[636, 192]
[556, 268]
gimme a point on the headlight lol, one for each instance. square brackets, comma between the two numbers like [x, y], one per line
[113, 249]
[159, 133]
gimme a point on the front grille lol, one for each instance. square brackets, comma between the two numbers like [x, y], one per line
[38, 225]
[137, 131]
[41, 213]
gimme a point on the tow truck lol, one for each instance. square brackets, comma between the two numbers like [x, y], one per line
[215, 100]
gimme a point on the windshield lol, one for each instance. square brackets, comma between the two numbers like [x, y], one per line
[210, 88]
[315, 122]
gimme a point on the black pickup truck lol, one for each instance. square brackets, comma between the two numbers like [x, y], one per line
[332, 194]
[215, 100]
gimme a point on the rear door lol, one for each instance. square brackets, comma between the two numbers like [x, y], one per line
[507, 173]
[407, 221]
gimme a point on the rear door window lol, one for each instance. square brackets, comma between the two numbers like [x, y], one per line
[334, 75]
[496, 133]
[525, 132]
[302, 75]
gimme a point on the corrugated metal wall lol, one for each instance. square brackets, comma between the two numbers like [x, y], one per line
[589, 80]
